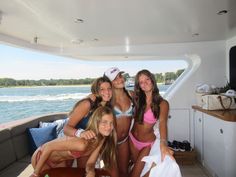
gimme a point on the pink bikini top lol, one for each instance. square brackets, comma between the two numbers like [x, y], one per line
[148, 117]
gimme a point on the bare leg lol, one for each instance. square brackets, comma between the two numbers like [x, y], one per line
[137, 156]
[138, 165]
[133, 151]
[123, 158]
[81, 162]
[35, 158]
[113, 171]
[147, 174]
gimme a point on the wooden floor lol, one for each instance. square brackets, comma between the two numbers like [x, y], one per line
[186, 171]
[195, 170]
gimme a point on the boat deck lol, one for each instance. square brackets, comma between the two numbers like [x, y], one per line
[195, 170]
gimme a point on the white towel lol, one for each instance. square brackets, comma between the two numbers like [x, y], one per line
[203, 88]
[167, 168]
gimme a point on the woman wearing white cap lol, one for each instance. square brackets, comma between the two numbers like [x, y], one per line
[123, 109]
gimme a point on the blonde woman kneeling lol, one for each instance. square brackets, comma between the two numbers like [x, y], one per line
[58, 152]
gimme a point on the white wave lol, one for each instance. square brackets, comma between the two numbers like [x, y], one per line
[60, 97]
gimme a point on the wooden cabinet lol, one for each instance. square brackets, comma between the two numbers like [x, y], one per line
[215, 142]
[179, 125]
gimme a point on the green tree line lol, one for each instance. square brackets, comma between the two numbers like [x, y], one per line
[8, 82]
[167, 78]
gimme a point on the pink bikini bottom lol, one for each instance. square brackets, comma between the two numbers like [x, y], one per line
[138, 144]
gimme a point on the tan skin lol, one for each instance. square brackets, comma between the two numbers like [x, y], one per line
[81, 111]
[84, 107]
[59, 150]
[144, 132]
[122, 101]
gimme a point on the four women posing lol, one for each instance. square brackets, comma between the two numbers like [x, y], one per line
[145, 105]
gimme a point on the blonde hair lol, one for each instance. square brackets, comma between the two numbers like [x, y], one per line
[108, 150]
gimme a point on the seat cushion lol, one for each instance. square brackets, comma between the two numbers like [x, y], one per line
[59, 123]
[39, 136]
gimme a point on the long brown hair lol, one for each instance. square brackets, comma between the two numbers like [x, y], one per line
[140, 97]
[126, 92]
[95, 87]
[108, 150]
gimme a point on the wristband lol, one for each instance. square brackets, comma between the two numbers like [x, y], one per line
[78, 132]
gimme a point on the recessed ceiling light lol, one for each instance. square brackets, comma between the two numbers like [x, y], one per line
[79, 20]
[195, 34]
[35, 39]
[222, 12]
[95, 39]
[77, 41]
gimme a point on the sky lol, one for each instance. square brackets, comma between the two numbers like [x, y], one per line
[17, 63]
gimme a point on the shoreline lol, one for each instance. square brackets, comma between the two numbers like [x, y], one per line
[35, 86]
[82, 85]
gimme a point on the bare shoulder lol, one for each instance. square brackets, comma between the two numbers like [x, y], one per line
[79, 111]
[164, 110]
[85, 104]
[164, 104]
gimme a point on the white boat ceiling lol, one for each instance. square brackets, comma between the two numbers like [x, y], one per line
[110, 29]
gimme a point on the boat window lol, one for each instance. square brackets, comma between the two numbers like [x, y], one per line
[33, 83]
[166, 72]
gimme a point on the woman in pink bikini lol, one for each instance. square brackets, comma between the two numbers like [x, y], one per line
[149, 107]
[56, 153]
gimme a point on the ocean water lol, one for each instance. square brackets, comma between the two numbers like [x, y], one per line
[19, 103]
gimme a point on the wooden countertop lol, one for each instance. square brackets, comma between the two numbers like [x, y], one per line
[227, 115]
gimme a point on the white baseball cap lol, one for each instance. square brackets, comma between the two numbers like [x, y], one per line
[112, 72]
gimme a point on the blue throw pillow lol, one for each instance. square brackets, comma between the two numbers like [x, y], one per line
[39, 136]
[59, 123]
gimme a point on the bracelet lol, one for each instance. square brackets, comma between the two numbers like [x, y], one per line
[78, 132]
[163, 141]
